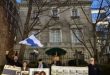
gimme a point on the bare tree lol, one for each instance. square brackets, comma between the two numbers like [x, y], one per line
[41, 7]
[92, 40]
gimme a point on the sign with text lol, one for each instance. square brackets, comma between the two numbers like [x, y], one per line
[64, 70]
[11, 70]
[24, 72]
[39, 71]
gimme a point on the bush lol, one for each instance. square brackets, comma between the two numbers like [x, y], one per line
[32, 64]
[1, 69]
[77, 62]
[105, 69]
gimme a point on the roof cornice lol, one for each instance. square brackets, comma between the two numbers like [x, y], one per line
[78, 3]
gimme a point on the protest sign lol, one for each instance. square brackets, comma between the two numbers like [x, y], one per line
[39, 71]
[11, 70]
[24, 72]
[66, 70]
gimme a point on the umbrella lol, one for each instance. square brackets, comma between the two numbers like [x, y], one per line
[56, 51]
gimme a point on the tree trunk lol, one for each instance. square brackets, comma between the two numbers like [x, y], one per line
[4, 40]
[26, 31]
[95, 43]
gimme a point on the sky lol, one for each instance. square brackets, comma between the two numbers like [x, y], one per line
[18, 1]
[96, 4]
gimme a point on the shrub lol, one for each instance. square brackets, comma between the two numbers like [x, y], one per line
[77, 62]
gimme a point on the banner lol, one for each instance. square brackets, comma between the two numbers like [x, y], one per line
[11, 70]
[64, 70]
[39, 71]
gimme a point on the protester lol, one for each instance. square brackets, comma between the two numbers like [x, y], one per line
[36, 73]
[93, 67]
[41, 64]
[56, 61]
[24, 66]
[9, 58]
[15, 62]
[12, 58]
[16, 53]
[42, 73]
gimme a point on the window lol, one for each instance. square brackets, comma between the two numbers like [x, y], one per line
[55, 12]
[55, 35]
[107, 50]
[75, 13]
[76, 32]
[35, 15]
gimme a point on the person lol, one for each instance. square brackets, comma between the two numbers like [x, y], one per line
[41, 64]
[16, 53]
[12, 59]
[93, 67]
[56, 61]
[9, 57]
[36, 73]
[42, 73]
[24, 66]
[15, 61]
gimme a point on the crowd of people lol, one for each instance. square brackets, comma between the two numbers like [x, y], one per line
[93, 68]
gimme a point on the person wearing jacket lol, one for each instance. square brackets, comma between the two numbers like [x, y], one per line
[93, 67]
[41, 64]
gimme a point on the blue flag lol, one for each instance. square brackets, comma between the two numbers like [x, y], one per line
[31, 41]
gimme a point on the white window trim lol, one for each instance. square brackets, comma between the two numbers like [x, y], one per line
[58, 11]
[78, 12]
[50, 34]
[72, 38]
[61, 35]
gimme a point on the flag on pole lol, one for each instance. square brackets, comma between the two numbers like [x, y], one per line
[31, 41]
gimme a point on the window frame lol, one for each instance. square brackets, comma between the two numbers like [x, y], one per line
[76, 13]
[52, 13]
[50, 34]
[73, 37]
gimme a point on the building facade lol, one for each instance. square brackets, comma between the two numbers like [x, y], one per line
[59, 24]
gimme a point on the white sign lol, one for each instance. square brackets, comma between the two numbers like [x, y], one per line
[24, 72]
[63, 70]
[39, 71]
[11, 70]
